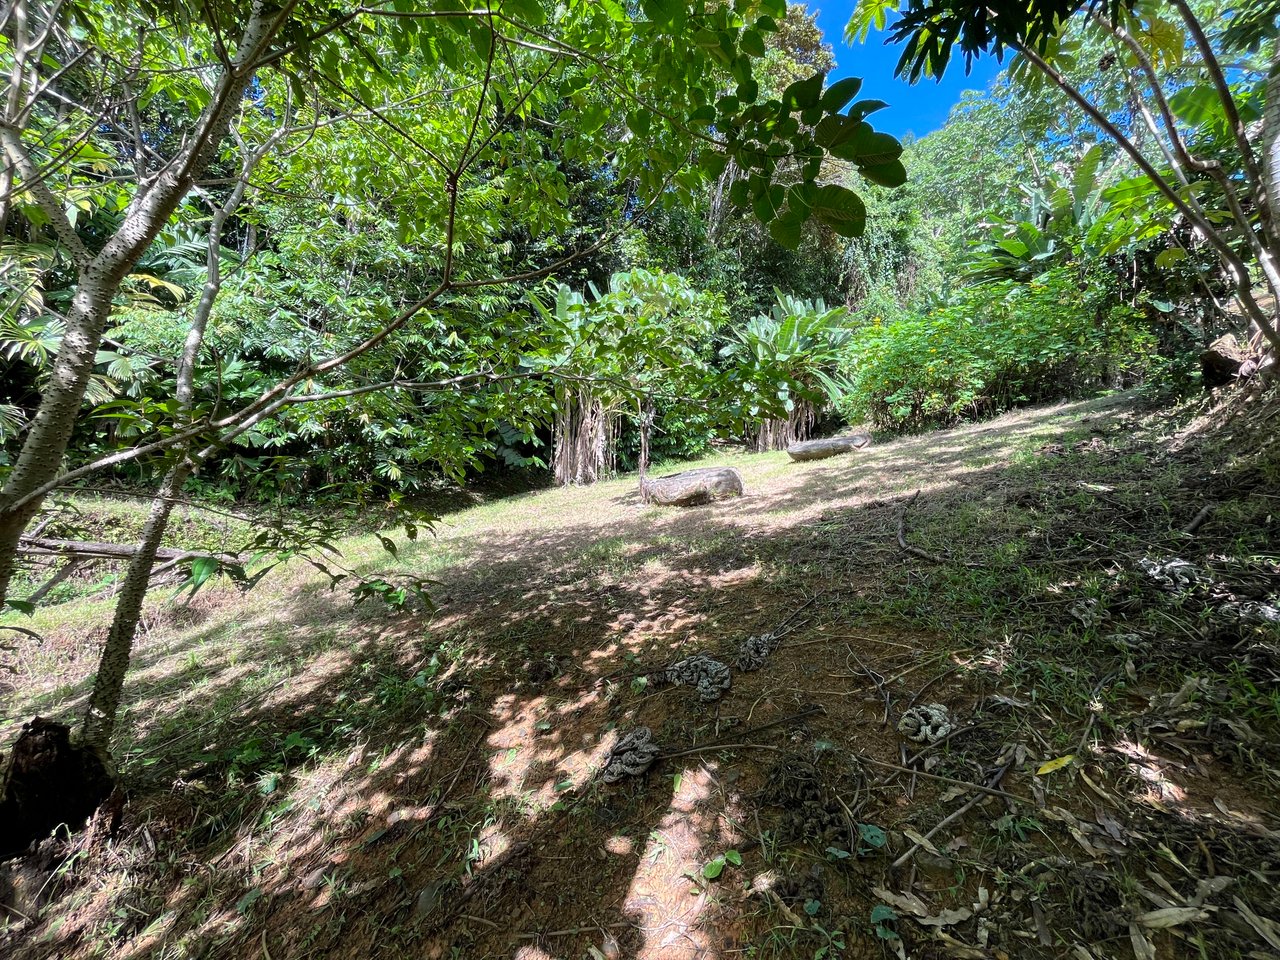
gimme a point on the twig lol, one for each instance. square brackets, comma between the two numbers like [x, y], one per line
[941, 740]
[716, 745]
[920, 693]
[877, 679]
[1205, 513]
[995, 778]
[902, 534]
[566, 932]
[1093, 714]
[745, 733]
[951, 780]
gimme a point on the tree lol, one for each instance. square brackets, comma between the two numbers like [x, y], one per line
[785, 363]
[109, 127]
[624, 353]
[1206, 169]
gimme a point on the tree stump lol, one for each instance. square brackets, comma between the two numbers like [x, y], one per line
[693, 487]
[1221, 362]
[829, 447]
[48, 781]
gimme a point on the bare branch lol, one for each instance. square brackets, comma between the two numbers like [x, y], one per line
[34, 184]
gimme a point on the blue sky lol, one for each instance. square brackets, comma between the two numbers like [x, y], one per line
[918, 109]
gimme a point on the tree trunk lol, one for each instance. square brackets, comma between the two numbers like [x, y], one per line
[1271, 135]
[583, 442]
[646, 424]
[108, 684]
[778, 433]
[51, 428]
[40, 460]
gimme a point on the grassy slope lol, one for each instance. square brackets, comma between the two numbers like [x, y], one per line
[332, 780]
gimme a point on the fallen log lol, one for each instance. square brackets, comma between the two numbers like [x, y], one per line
[828, 447]
[693, 487]
[89, 550]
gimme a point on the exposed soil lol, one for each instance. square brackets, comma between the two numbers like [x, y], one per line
[312, 779]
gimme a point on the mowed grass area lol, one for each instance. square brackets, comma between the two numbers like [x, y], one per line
[310, 778]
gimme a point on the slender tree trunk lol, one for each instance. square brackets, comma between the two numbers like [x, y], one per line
[108, 684]
[100, 276]
[113, 665]
[51, 428]
[1271, 134]
[1236, 266]
[646, 425]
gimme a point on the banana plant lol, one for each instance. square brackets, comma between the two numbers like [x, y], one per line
[786, 361]
[1057, 224]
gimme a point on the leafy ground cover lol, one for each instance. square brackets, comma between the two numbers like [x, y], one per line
[309, 778]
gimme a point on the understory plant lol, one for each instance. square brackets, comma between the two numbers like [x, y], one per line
[993, 347]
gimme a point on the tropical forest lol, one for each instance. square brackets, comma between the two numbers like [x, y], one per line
[639, 480]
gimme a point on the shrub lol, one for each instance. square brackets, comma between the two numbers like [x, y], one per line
[996, 346]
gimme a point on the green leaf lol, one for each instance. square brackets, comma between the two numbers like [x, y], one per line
[830, 129]
[664, 11]
[768, 205]
[883, 913]
[838, 95]
[786, 232]
[892, 174]
[751, 43]
[803, 94]
[872, 148]
[864, 108]
[840, 209]
[712, 162]
[734, 857]
[872, 835]
[1171, 257]
[1198, 106]
[713, 868]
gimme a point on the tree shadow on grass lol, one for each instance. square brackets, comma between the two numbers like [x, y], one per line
[316, 780]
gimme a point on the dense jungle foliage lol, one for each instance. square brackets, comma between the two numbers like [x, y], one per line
[1021, 261]
[253, 266]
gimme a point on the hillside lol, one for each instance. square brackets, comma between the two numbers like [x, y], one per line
[309, 778]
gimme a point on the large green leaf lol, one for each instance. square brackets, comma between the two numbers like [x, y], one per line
[1198, 106]
[841, 209]
[803, 94]
[786, 231]
[871, 148]
[838, 95]
[891, 174]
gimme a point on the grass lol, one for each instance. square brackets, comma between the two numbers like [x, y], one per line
[313, 778]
